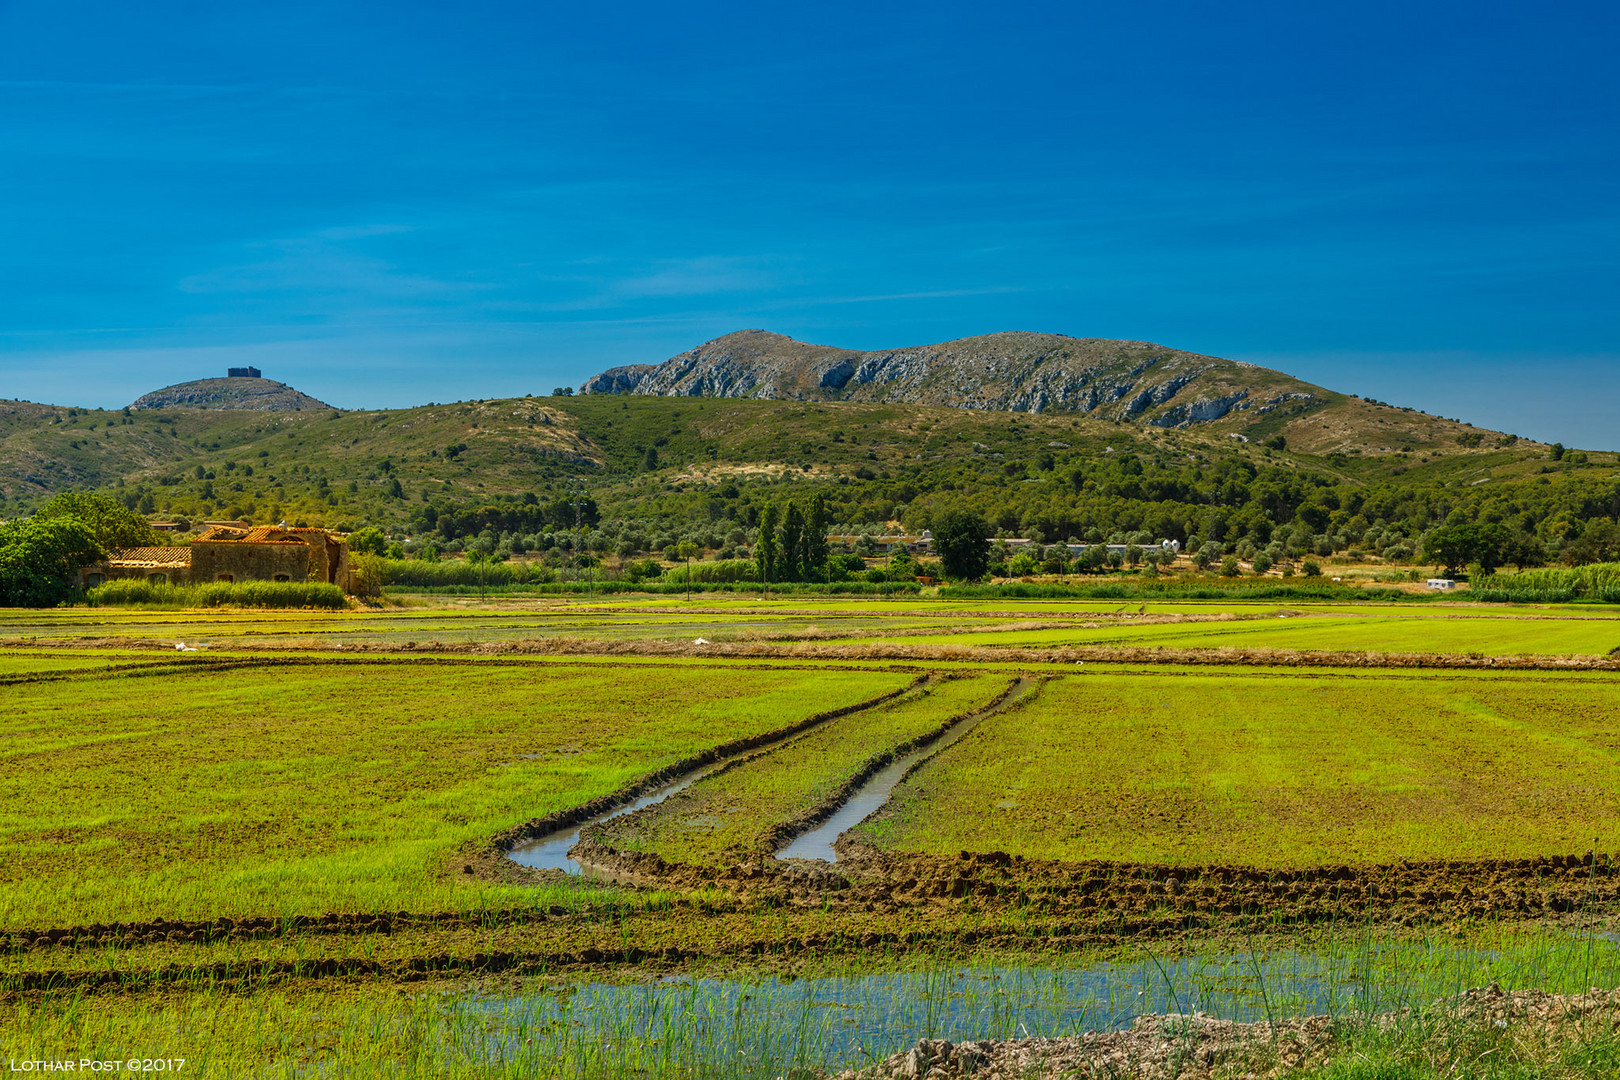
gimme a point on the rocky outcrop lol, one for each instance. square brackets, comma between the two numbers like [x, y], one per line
[1201, 411]
[237, 393]
[618, 380]
[1014, 372]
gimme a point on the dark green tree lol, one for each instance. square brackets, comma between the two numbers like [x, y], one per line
[39, 556]
[113, 524]
[1467, 543]
[792, 556]
[367, 541]
[815, 538]
[962, 541]
[766, 550]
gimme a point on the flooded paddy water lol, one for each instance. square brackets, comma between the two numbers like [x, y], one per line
[818, 843]
[846, 1020]
[770, 1025]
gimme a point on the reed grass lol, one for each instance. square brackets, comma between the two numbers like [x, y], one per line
[1595, 583]
[248, 594]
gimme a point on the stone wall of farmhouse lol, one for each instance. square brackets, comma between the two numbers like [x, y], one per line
[329, 560]
[249, 562]
[95, 574]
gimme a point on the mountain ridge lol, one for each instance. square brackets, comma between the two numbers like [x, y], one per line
[1009, 371]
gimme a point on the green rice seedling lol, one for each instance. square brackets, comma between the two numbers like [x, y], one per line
[1274, 770]
[346, 787]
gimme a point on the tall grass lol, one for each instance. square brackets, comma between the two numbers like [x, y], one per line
[255, 594]
[457, 577]
[415, 572]
[1599, 582]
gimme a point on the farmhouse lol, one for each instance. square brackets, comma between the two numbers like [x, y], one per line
[234, 552]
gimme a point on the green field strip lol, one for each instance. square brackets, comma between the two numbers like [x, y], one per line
[24, 663]
[1292, 772]
[1491, 637]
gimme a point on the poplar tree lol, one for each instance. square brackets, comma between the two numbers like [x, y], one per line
[815, 538]
[765, 551]
[792, 556]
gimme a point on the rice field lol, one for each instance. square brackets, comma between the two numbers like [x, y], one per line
[1444, 628]
[335, 786]
[1332, 632]
[722, 817]
[1277, 770]
[277, 852]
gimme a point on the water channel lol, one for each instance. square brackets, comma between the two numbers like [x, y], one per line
[818, 842]
[550, 852]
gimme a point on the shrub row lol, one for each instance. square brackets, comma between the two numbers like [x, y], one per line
[259, 594]
[666, 587]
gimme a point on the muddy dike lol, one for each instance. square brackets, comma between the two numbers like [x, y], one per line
[1095, 902]
[1102, 901]
[889, 899]
[812, 649]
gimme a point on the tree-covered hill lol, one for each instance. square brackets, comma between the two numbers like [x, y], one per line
[659, 466]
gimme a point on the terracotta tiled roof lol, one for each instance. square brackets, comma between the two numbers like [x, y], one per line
[263, 534]
[149, 556]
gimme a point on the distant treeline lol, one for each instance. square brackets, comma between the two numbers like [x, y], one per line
[529, 515]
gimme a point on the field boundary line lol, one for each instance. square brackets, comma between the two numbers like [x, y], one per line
[802, 649]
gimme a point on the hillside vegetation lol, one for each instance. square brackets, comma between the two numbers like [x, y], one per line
[651, 469]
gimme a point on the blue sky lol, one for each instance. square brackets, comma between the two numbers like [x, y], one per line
[395, 203]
